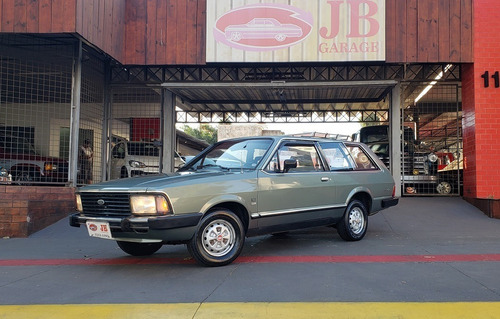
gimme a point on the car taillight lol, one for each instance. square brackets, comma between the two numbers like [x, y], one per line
[50, 167]
[394, 191]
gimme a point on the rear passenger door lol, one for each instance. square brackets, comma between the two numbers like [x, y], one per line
[351, 166]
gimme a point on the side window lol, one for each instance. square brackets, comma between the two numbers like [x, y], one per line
[118, 151]
[306, 156]
[361, 159]
[114, 152]
[337, 156]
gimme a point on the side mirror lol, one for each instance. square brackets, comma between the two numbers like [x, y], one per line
[289, 163]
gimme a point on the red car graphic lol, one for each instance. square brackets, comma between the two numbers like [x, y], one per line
[262, 28]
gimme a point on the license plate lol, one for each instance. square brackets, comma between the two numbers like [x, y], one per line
[99, 229]
[4, 180]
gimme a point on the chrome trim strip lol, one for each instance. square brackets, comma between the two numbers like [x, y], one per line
[138, 240]
[293, 211]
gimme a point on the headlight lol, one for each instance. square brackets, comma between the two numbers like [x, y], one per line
[79, 206]
[137, 164]
[3, 172]
[149, 205]
[432, 157]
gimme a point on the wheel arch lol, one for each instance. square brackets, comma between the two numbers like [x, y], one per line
[32, 170]
[26, 167]
[364, 197]
[236, 207]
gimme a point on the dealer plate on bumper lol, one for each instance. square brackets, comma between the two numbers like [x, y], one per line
[99, 229]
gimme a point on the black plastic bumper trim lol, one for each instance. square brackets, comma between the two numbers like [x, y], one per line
[156, 223]
[389, 202]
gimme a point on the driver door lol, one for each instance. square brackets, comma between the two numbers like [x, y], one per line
[301, 194]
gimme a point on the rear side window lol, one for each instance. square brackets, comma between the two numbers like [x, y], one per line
[361, 160]
[346, 157]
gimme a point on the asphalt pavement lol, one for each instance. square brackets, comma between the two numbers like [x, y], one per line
[427, 257]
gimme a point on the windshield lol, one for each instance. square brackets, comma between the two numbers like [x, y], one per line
[16, 145]
[240, 154]
[380, 133]
[372, 134]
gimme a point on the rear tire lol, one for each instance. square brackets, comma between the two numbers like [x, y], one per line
[236, 36]
[139, 249]
[444, 188]
[218, 240]
[354, 223]
[280, 37]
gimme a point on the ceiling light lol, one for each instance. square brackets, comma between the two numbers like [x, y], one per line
[429, 87]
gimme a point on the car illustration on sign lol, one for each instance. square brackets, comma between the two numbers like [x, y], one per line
[239, 188]
[262, 28]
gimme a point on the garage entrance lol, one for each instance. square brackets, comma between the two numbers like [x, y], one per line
[422, 99]
[142, 104]
[432, 161]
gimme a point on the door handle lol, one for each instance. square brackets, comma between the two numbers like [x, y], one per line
[325, 179]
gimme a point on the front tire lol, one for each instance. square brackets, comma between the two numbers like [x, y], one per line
[218, 240]
[24, 178]
[354, 223]
[139, 249]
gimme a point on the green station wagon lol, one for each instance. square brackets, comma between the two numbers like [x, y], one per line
[239, 188]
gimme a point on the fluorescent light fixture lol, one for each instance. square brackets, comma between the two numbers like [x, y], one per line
[429, 87]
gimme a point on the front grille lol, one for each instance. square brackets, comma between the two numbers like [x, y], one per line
[106, 204]
[415, 165]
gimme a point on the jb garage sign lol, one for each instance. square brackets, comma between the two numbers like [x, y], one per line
[295, 31]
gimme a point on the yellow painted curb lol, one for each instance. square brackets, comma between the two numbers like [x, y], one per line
[256, 310]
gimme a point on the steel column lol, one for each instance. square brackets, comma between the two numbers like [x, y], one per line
[168, 131]
[395, 136]
[76, 85]
[106, 130]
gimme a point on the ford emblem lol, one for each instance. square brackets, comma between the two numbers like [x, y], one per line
[100, 201]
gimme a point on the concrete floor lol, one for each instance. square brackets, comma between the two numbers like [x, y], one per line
[423, 250]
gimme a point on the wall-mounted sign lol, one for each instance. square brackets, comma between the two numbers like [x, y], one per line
[302, 31]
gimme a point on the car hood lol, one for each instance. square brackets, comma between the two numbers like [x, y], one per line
[154, 182]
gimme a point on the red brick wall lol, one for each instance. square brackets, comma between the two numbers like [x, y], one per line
[469, 130]
[27, 209]
[481, 116]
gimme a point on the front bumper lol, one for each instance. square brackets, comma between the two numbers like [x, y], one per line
[419, 179]
[140, 224]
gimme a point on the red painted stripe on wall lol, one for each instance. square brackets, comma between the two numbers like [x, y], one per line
[259, 259]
